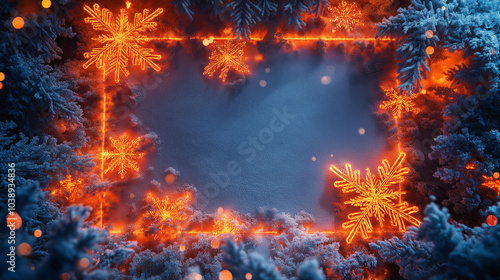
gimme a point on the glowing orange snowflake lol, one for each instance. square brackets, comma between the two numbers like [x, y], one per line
[346, 16]
[124, 156]
[397, 102]
[225, 225]
[165, 209]
[121, 41]
[69, 188]
[226, 56]
[375, 197]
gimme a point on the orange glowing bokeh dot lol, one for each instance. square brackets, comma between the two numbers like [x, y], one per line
[215, 243]
[84, 263]
[65, 276]
[170, 178]
[220, 210]
[182, 248]
[225, 275]
[496, 175]
[248, 276]
[24, 249]
[14, 218]
[429, 50]
[1, 85]
[37, 233]
[429, 34]
[2, 76]
[194, 276]
[491, 220]
[46, 4]
[18, 22]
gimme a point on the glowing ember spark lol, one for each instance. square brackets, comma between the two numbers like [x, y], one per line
[225, 225]
[346, 16]
[226, 56]
[124, 156]
[398, 102]
[68, 189]
[121, 41]
[375, 198]
[492, 183]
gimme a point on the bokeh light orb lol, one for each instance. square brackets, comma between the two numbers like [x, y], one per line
[37, 233]
[14, 219]
[429, 50]
[84, 262]
[215, 243]
[225, 275]
[18, 22]
[46, 4]
[491, 220]
[170, 178]
[24, 249]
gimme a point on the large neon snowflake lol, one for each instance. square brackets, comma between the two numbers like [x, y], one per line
[346, 16]
[375, 198]
[121, 41]
[397, 103]
[225, 56]
[124, 157]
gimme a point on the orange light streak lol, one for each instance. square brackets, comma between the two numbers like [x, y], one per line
[102, 148]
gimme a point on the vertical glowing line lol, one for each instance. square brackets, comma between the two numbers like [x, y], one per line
[102, 142]
[399, 152]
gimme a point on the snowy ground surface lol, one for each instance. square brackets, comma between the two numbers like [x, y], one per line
[204, 132]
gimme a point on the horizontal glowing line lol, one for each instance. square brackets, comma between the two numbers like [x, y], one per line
[260, 39]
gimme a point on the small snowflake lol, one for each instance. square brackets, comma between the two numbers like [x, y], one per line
[121, 41]
[165, 209]
[226, 56]
[375, 197]
[397, 102]
[346, 16]
[124, 156]
[225, 225]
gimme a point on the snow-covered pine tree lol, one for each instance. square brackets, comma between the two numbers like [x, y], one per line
[183, 7]
[244, 14]
[267, 8]
[293, 11]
